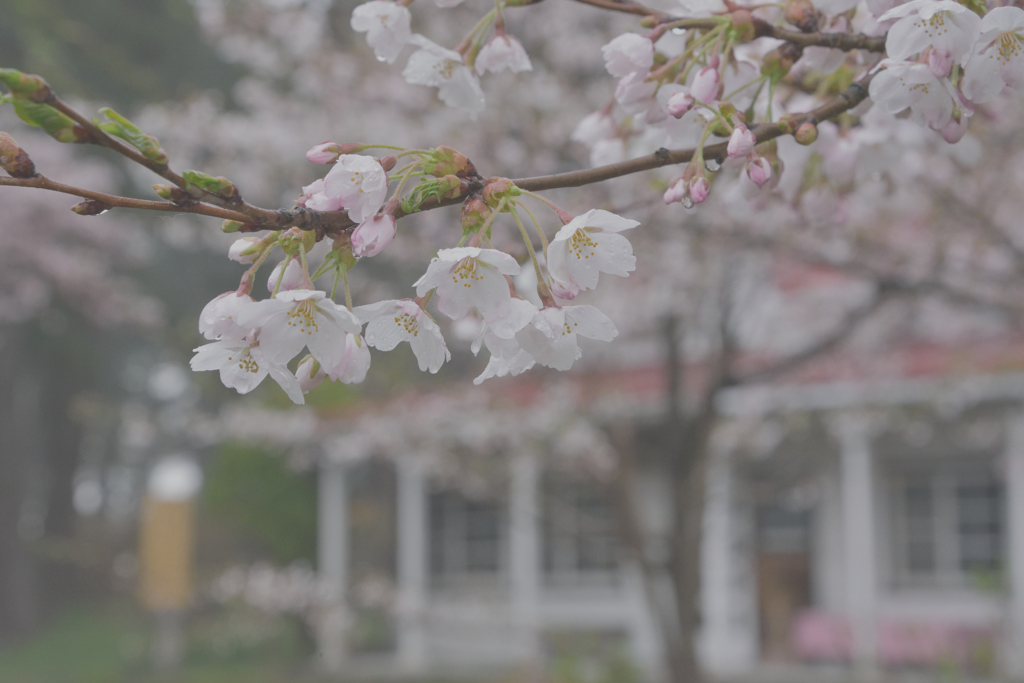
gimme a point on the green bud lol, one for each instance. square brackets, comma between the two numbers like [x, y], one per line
[90, 207]
[25, 85]
[719, 129]
[743, 25]
[432, 191]
[446, 161]
[121, 127]
[174, 194]
[342, 249]
[293, 240]
[802, 14]
[14, 159]
[197, 181]
[806, 133]
[728, 110]
[60, 127]
[475, 213]
[230, 226]
[497, 189]
[777, 63]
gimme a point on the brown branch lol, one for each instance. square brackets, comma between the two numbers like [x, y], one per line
[98, 136]
[44, 183]
[821, 346]
[843, 102]
[762, 29]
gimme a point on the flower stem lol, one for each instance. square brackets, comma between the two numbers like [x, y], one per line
[541, 282]
[540, 232]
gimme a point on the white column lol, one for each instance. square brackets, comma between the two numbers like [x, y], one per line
[1013, 656]
[332, 554]
[524, 552]
[724, 652]
[854, 433]
[412, 563]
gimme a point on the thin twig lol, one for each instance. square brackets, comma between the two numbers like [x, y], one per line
[114, 201]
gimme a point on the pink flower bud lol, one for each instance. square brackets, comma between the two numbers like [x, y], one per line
[293, 276]
[706, 85]
[955, 129]
[699, 189]
[242, 250]
[675, 192]
[759, 171]
[741, 142]
[940, 62]
[679, 104]
[566, 291]
[324, 153]
[371, 236]
[310, 374]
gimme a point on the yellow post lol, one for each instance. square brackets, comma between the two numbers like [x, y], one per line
[165, 554]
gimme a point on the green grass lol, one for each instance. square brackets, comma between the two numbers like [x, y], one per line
[109, 644]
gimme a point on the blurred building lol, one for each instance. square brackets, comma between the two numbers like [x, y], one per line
[866, 513]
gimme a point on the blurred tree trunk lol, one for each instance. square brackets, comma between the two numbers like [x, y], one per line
[19, 448]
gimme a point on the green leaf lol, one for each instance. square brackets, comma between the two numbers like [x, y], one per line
[58, 125]
[121, 127]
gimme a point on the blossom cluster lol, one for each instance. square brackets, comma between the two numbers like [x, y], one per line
[251, 339]
[704, 70]
[455, 73]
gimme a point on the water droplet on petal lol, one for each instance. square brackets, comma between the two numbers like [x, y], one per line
[712, 165]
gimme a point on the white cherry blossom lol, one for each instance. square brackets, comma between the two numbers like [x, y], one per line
[507, 356]
[468, 277]
[943, 25]
[314, 196]
[354, 363]
[243, 365]
[219, 318]
[998, 59]
[298, 318]
[595, 127]
[444, 69]
[372, 235]
[552, 337]
[905, 84]
[628, 54]
[389, 323]
[359, 183]
[502, 52]
[588, 245]
[386, 25]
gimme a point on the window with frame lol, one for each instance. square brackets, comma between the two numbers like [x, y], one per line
[579, 528]
[948, 529]
[466, 536]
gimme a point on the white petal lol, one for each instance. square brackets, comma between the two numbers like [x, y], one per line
[589, 322]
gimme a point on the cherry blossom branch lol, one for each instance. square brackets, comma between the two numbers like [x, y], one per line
[848, 99]
[762, 29]
[333, 221]
[114, 201]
